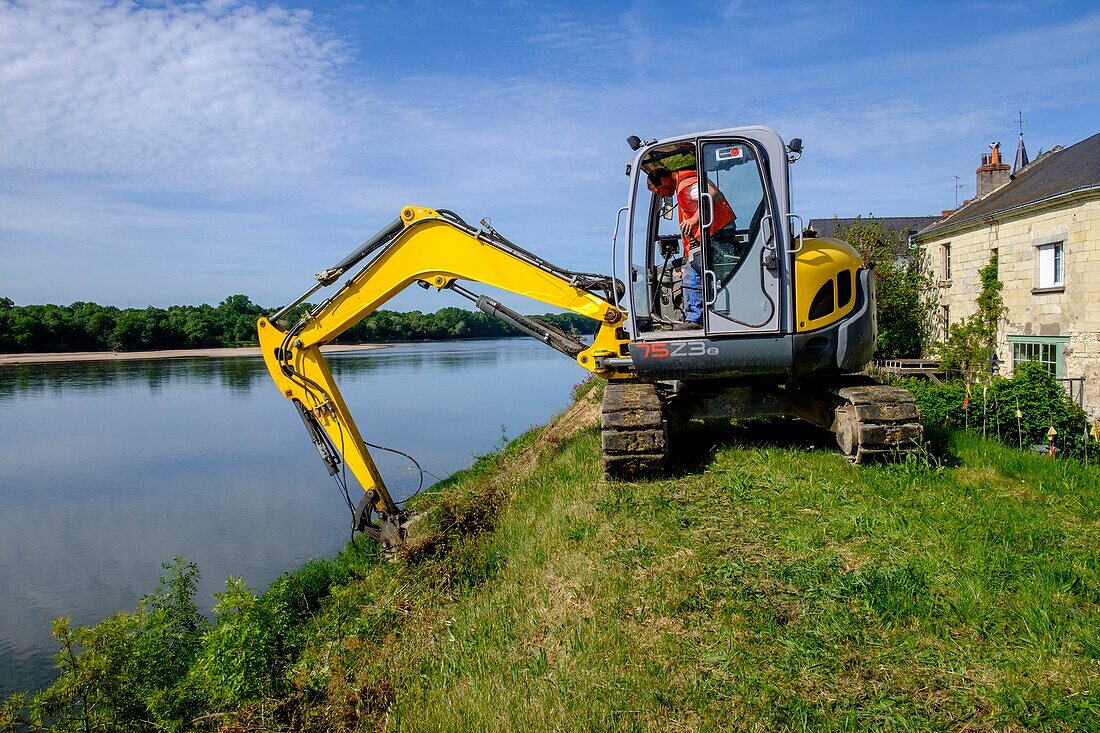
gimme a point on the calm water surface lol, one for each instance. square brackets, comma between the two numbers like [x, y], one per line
[109, 469]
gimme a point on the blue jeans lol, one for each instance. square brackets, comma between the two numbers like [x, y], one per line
[693, 294]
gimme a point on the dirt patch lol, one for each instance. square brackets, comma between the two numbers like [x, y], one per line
[582, 415]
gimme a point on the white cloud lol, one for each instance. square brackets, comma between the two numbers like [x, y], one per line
[567, 33]
[185, 97]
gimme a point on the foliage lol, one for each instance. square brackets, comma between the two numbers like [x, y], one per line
[245, 654]
[91, 327]
[781, 586]
[972, 342]
[901, 285]
[991, 306]
[121, 673]
[165, 665]
[450, 323]
[1033, 390]
[941, 405]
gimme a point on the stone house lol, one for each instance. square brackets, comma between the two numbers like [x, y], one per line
[1043, 222]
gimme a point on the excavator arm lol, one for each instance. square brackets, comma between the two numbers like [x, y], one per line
[433, 249]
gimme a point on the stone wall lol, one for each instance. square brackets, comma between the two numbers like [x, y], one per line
[1073, 311]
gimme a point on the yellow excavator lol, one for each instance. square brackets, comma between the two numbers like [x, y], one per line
[787, 318]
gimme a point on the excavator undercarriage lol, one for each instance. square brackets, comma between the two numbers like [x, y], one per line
[869, 420]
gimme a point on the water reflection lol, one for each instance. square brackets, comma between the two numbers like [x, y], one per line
[57, 379]
[239, 373]
[110, 468]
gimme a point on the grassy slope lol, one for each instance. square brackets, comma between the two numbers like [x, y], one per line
[774, 588]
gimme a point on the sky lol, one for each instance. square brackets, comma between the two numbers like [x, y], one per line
[157, 153]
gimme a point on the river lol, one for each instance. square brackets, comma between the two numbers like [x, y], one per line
[108, 469]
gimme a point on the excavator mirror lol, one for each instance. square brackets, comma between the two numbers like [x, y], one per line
[634, 142]
[794, 149]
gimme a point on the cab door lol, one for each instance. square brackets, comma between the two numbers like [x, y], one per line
[742, 269]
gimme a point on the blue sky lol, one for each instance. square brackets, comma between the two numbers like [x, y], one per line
[159, 153]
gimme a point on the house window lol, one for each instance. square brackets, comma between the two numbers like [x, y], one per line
[945, 315]
[1051, 265]
[945, 262]
[1048, 351]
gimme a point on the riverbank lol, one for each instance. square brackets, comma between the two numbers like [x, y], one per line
[126, 437]
[220, 353]
[769, 585]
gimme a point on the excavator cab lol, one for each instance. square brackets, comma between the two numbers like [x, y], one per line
[742, 271]
[774, 304]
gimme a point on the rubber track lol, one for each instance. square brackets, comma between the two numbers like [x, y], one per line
[877, 420]
[633, 430]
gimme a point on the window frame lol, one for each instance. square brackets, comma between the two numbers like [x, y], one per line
[945, 263]
[1057, 343]
[1056, 245]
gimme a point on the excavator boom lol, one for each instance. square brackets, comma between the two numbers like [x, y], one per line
[433, 249]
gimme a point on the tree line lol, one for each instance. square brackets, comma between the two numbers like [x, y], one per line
[84, 326]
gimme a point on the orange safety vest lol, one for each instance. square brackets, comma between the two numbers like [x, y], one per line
[687, 199]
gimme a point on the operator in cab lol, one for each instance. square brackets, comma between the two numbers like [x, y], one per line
[685, 185]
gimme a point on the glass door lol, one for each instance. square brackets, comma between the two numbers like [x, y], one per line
[738, 229]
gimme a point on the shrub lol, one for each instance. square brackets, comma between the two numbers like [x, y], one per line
[940, 404]
[244, 656]
[122, 673]
[1033, 390]
[247, 654]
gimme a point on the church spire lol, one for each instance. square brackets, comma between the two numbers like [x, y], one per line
[1021, 151]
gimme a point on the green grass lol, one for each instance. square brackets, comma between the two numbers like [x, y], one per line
[764, 588]
[776, 589]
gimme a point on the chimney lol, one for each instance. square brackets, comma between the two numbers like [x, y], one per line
[992, 173]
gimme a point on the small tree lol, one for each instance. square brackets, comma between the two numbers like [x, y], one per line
[126, 673]
[902, 284]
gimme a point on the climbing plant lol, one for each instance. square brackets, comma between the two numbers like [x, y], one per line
[971, 343]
